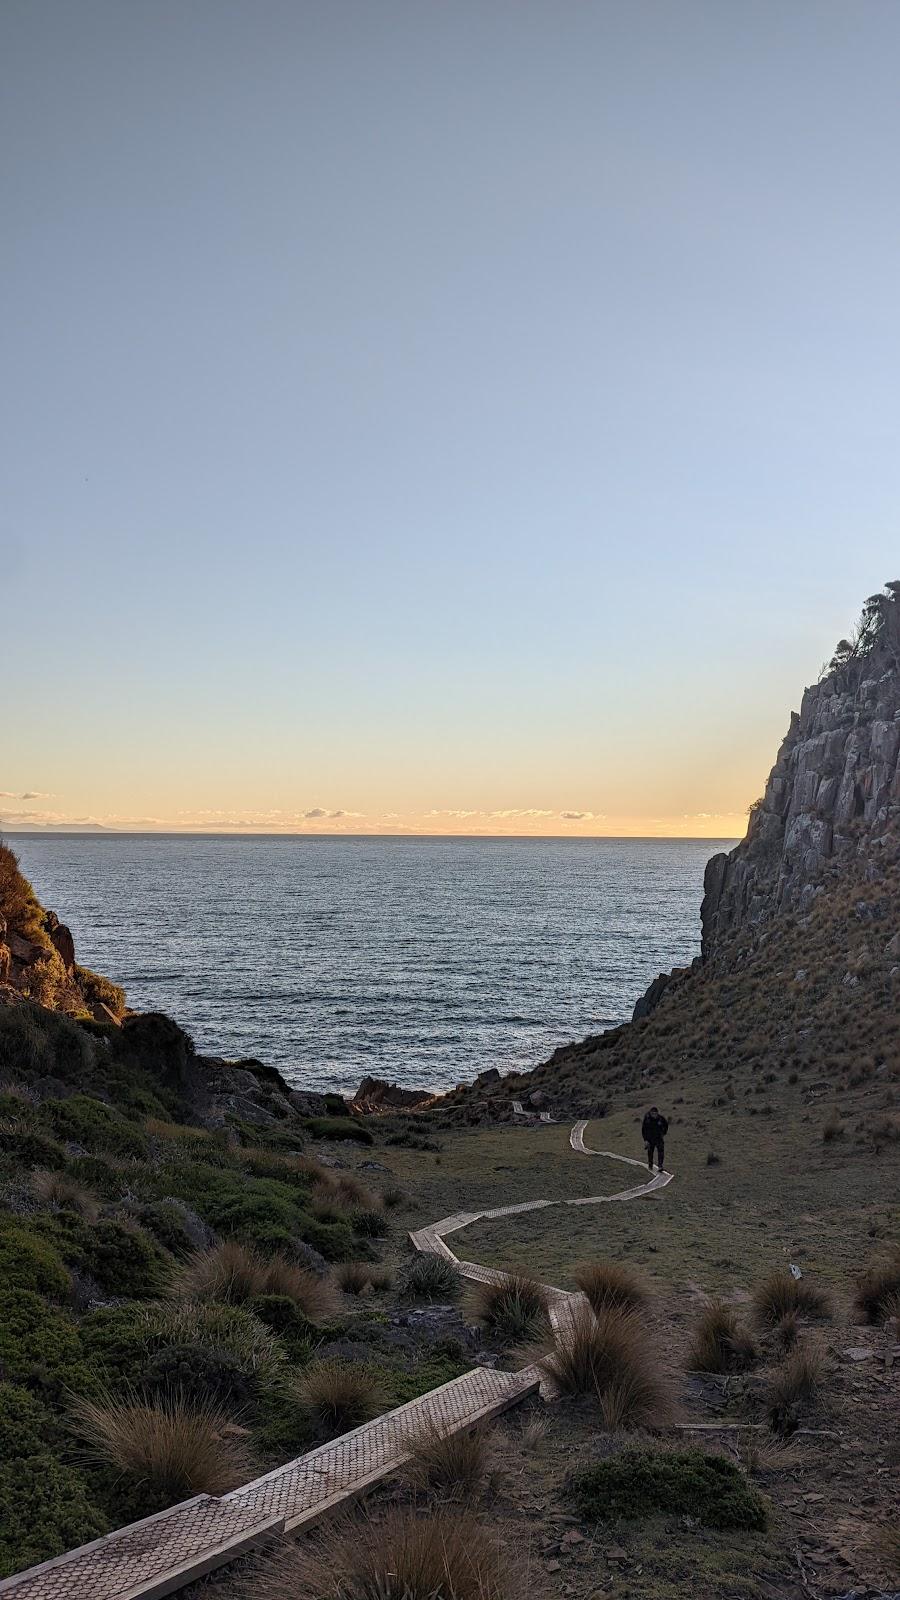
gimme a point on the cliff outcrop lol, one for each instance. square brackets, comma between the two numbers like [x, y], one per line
[833, 793]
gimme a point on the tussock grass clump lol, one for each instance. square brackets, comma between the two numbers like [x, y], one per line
[450, 1461]
[607, 1356]
[779, 1295]
[720, 1343]
[444, 1555]
[642, 1483]
[360, 1277]
[233, 1329]
[793, 1384]
[338, 1395]
[833, 1129]
[429, 1277]
[515, 1309]
[176, 1448]
[877, 1286]
[611, 1283]
[234, 1274]
[63, 1193]
[395, 1197]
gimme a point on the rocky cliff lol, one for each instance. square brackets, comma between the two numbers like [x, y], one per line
[833, 792]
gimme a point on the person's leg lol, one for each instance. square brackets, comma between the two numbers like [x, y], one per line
[661, 1153]
[650, 1156]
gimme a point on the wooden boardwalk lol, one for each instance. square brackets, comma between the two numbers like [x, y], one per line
[153, 1558]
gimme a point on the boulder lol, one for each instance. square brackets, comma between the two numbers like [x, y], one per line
[308, 1103]
[61, 939]
[378, 1092]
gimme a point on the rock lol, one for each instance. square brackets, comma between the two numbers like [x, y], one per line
[307, 1102]
[489, 1075]
[652, 995]
[892, 948]
[537, 1100]
[23, 950]
[62, 940]
[857, 1353]
[378, 1092]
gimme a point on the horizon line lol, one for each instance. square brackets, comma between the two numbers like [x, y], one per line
[250, 833]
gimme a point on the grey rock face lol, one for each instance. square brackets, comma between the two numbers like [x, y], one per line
[834, 789]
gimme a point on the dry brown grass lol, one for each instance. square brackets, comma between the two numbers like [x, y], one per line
[339, 1394]
[445, 1554]
[607, 1356]
[793, 1384]
[177, 1448]
[455, 1462]
[719, 1342]
[779, 1295]
[361, 1277]
[64, 1194]
[516, 1310]
[234, 1274]
[611, 1283]
[878, 1285]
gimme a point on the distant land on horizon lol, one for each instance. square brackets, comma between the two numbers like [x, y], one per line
[72, 828]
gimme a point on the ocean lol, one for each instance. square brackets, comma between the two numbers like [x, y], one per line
[419, 960]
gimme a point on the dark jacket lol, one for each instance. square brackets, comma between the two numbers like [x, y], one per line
[654, 1129]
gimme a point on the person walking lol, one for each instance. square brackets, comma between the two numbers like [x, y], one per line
[653, 1132]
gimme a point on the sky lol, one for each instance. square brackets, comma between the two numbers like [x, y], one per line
[437, 415]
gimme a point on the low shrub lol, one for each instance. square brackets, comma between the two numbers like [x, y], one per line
[104, 1177]
[40, 1346]
[641, 1483]
[167, 1221]
[285, 1318]
[360, 1277]
[610, 1283]
[124, 1261]
[97, 988]
[36, 1043]
[236, 1275]
[27, 1427]
[200, 1372]
[173, 1447]
[607, 1356]
[779, 1294]
[62, 1192]
[394, 1197]
[370, 1224]
[515, 1310]
[407, 1140]
[449, 1461]
[83, 1120]
[877, 1285]
[442, 1554]
[793, 1385]
[45, 1509]
[28, 1147]
[120, 1340]
[346, 1128]
[720, 1343]
[338, 1395]
[429, 1277]
[29, 1261]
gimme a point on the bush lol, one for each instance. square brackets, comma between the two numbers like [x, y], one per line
[121, 1339]
[158, 1046]
[285, 1318]
[515, 1309]
[27, 1428]
[334, 1241]
[96, 1172]
[641, 1483]
[174, 1447]
[63, 1193]
[877, 1286]
[442, 1555]
[36, 1043]
[359, 1277]
[198, 1371]
[606, 1356]
[83, 1120]
[793, 1385]
[28, 1147]
[100, 990]
[234, 1274]
[166, 1221]
[39, 1346]
[28, 1261]
[454, 1461]
[609, 1283]
[337, 1128]
[370, 1224]
[44, 1510]
[338, 1395]
[779, 1294]
[124, 1261]
[429, 1277]
[719, 1342]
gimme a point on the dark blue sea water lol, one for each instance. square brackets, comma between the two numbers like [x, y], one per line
[420, 960]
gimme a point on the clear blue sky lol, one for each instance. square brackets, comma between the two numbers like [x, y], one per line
[448, 414]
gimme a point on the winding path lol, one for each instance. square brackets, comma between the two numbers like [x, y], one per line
[153, 1558]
